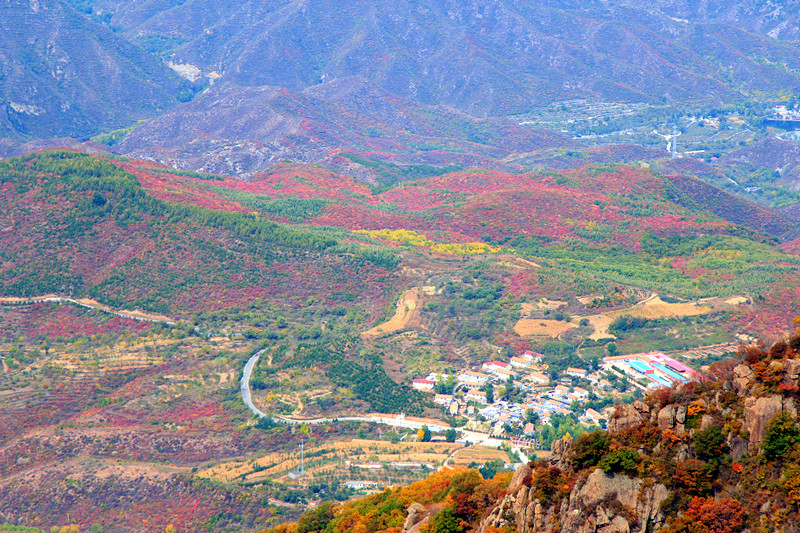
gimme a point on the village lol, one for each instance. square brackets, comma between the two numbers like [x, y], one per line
[513, 399]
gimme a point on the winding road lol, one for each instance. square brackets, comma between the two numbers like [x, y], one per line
[389, 420]
[467, 437]
[89, 304]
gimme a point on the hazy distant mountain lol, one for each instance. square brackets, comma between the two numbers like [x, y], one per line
[483, 57]
[779, 19]
[63, 75]
[244, 130]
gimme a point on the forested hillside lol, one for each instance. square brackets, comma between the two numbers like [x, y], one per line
[81, 226]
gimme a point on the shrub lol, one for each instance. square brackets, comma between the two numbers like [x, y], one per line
[709, 444]
[782, 434]
[316, 519]
[696, 477]
[590, 448]
[445, 521]
[620, 460]
[708, 515]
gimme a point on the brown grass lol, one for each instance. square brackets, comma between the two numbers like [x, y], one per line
[407, 308]
[653, 307]
[542, 328]
[356, 451]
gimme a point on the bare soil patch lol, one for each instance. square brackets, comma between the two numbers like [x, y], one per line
[538, 327]
[652, 308]
[407, 309]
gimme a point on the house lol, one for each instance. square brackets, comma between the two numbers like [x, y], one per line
[502, 373]
[528, 429]
[475, 396]
[538, 377]
[472, 380]
[361, 485]
[532, 356]
[594, 416]
[443, 399]
[453, 410]
[576, 372]
[520, 362]
[580, 392]
[423, 385]
[494, 365]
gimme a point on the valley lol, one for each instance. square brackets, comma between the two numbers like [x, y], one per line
[344, 358]
[403, 267]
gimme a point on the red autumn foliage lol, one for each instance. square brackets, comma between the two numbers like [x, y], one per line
[709, 515]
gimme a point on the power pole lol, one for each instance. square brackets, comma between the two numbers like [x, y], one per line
[302, 457]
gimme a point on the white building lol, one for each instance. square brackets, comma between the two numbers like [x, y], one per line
[423, 385]
[473, 380]
[576, 372]
[443, 399]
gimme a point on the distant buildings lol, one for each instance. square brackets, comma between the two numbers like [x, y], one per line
[538, 377]
[472, 380]
[656, 368]
[576, 372]
[361, 485]
[520, 362]
[475, 396]
[424, 385]
[499, 369]
[443, 399]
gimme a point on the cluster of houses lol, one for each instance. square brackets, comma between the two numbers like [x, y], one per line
[528, 373]
[545, 396]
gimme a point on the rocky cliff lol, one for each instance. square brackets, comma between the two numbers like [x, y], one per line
[598, 502]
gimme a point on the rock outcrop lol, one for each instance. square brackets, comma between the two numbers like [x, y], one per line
[599, 503]
[417, 516]
[624, 417]
[743, 380]
[759, 411]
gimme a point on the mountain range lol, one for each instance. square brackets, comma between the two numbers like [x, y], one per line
[62, 74]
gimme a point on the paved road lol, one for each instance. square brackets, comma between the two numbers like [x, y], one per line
[389, 420]
[102, 308]
[473, 437]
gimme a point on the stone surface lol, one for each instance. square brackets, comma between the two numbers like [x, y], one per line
[518, 478]
[744, 377]
[561, 449]
[757, 414]
[792, 370]
[593, 506]
[416, 512]
[680, 414]
[666, 417]
[624, 417]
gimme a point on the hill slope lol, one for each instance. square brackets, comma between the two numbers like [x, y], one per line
[244, 130]
[79, 225]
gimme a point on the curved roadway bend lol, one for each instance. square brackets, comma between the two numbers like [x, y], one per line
[245, 386]
[473, 437]
[388, 419]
